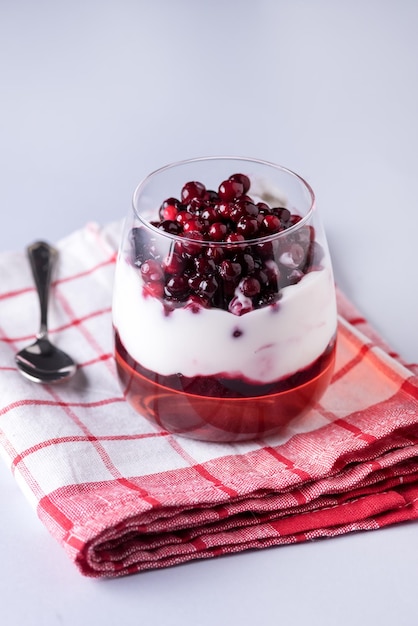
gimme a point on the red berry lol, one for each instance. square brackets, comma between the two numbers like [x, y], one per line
[247, 226]
[230, 270]
[217, 231]
[230, 189]
[193, 224]
[234, 238]
[293, 256]
[193, 189]
[224, 209]
[177, 287]
[151, 271]
[243, 179]
[174, 263]
[154, 289]
[169, 207]
[183, 217]
[250, 286]
[271, 223]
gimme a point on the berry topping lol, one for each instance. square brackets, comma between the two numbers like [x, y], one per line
[215, 258]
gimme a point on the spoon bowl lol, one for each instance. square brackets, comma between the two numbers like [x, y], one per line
[42, 362]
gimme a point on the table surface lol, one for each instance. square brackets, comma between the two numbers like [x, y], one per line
[94, 96]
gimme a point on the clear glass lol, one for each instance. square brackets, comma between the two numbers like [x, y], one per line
[220, 337]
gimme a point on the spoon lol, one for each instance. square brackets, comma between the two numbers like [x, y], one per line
[42, 362]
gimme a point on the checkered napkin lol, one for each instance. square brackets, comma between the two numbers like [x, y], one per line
[122, 496]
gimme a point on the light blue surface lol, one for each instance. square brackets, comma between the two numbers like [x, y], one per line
[95, 95]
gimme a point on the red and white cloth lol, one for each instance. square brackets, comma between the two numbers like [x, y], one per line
[122, 496]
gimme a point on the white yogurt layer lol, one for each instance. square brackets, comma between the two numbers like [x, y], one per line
[274, 342]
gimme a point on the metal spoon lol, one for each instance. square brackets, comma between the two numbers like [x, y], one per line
[42, 362]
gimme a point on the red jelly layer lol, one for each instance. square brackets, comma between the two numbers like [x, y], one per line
[218, 408]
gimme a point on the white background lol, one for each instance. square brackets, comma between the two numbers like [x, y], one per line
[95, 95]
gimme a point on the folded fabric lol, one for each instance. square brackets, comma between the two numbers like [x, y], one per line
[122, 496]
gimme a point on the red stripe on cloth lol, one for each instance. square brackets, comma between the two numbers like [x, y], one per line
[91, 270]
[101, 357]
[104, 456]
[411, 388]
[355, 430]
[59, 403]
[289, 464]
[355, 321]
[75, 438]
[347, 513]
[55, 513]
[199, 468]
[345, 369]
[75, 321]
[88, 336]
[16, 292]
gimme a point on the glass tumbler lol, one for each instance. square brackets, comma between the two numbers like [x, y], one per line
[224, 308]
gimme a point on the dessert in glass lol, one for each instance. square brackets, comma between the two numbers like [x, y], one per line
[224, 307]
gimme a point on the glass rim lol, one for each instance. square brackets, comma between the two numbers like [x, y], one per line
[226, 244]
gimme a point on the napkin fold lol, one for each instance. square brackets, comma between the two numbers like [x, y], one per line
[122, 496]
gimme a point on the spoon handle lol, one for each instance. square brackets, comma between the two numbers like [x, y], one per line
[42, 258]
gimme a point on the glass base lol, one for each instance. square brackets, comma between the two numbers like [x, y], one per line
[222, 419]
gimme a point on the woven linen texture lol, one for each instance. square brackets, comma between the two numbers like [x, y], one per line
[122, 496]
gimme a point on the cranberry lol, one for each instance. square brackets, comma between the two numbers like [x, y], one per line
[230, 270]
[151, 271]
[193, 189]
[266, 298]
[271, 223]
[223, 209]
[169, 208]
[239, 306]
[282, 213]
[154, 289]
[243, 179]
[177, 287]
[305, 235]
[188, 247]
[217, 231]
[203, 265]
[209, 214]
[234, 238]
[263, 208]
[194, 281]
[174, 263]
[271, 270]
[216, 253]
[210, 196]
[230, 189]
[247, 226]
[249, 207]
[247, 262]
[183, 217]
[236, 213]
[196, 302]
[208, 286]
[294, 277]
[170, 226]
[293, 256]
[194, 224]
[250, 286]
[196, 206]
[294, 219]
[315, 255]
